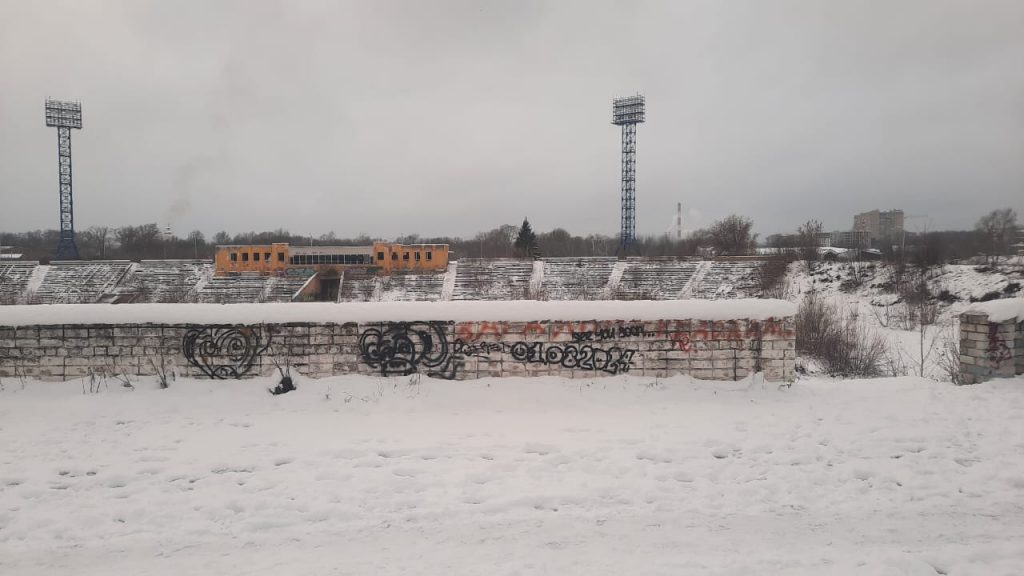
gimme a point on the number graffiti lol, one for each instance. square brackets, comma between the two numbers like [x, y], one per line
[571, 356]
[223, 352]
[612, 360]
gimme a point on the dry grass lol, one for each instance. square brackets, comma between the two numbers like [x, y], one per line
[839, 339]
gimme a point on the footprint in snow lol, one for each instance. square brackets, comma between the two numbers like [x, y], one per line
[653, 457]
[721, 452]
[683, 476]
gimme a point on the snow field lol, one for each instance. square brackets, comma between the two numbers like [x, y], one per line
[623, 475]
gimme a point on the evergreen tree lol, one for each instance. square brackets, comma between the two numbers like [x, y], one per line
[526, 241]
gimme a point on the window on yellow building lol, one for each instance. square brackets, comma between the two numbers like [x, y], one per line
[266, 256]
[429, 255]
[394, 255]
[417, 256]
[280, 256]
[245, 256]
[234, 257]
[380, 255]
[405, 256]
[255, 256]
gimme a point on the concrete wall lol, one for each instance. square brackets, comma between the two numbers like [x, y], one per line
[990, 349]
[720, 350]
[1018, 352]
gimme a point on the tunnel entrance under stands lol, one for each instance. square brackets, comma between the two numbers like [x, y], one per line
[328, 286]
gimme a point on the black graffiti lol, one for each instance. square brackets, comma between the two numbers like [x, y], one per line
[612, 360]
[479, 350]
[611, 333]
[404, 348]
[223, 352]
[997, 352]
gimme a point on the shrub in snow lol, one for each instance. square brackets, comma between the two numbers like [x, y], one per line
[285, 385]
[839, 339]
[163, 376]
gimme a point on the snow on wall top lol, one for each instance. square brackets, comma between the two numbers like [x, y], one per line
[463, 311]
[1000, 310]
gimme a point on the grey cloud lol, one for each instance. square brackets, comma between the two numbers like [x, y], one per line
[437, 118]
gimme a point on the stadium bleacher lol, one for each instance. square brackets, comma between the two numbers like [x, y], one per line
[576, 278]
[411, 287]
[467, 279]
[79, 282]
[654, 278]
[234, 289]
[14, 277]
[357, 286]
[500, 279]
[730, 279]
[166, 280]
[283, 288]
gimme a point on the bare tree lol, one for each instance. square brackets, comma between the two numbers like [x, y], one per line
[808, 235]
[95, 240]
[731, 235]
[997, 231]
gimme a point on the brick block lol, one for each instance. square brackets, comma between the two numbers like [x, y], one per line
[100, 332]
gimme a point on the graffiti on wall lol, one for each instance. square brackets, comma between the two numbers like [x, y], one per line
[611, 333]
[405, 348]
[997, 352]
[571, 356]
[614, 360]
[440, 349]
[223, 352]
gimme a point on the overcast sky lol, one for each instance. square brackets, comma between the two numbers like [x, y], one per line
[447, 118]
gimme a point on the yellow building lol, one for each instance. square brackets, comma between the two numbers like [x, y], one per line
[266, 259]
[382, 257]
[392, 258]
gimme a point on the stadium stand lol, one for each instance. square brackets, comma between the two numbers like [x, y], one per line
[165, 280]
[502, 279]
[357, 285]
[14, 277]
[84, 282]
[654, 278]
[283, 288]
[576, 278]
[466, 279]
[410, 287]
[730, 279]
[234, 289]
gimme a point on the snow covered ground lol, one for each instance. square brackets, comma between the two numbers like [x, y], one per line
[622, 475]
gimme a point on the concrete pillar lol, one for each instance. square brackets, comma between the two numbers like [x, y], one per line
[989, 349]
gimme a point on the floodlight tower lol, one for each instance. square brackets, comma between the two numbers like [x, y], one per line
[628, 112]
[65, 116]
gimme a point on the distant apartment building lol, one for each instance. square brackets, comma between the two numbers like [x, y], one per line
[858, 239]
[880, 225]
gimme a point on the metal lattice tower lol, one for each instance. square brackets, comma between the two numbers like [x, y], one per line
[65, 116]
[628, 112]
